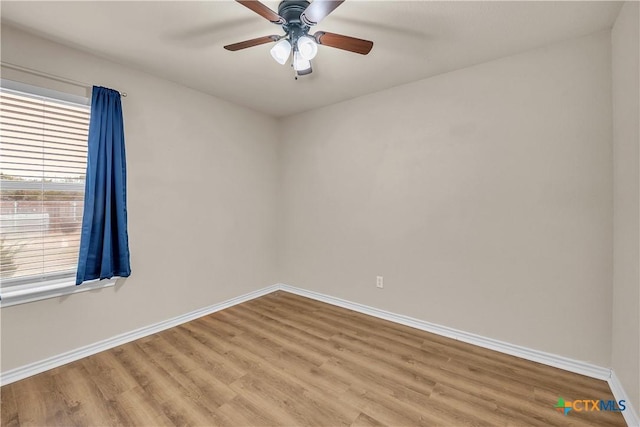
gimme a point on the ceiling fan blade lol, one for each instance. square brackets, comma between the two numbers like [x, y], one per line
[262, 10]
[253, 42]
[318, 10]
[339, 41]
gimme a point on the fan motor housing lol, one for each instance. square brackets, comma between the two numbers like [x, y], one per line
[291, 10]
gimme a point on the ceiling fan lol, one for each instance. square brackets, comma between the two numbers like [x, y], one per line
[296, 18]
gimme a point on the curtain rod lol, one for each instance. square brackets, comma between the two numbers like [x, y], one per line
[50, 76]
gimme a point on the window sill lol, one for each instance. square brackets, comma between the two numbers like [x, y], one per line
[49, 289]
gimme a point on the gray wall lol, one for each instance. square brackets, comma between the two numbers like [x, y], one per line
[483, 196]
[626, 249]
[202, 177]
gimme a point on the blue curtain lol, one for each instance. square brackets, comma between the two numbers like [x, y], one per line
[104, 243]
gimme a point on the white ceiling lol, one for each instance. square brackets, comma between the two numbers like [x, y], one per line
[182, 41]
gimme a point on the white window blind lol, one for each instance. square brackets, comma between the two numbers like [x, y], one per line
[43, 152]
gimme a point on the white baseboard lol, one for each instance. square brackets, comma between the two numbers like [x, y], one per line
[78, 353]
[630, 415]
[550, 359]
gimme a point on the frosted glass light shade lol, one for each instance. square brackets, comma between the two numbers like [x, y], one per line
[299, 63]
[307, 47]
[281, 51]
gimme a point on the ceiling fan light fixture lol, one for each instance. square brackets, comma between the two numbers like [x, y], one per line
[296, 17]
[281, 51]
[301, 65]
[307, 47]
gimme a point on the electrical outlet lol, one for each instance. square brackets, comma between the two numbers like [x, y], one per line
[379, 282]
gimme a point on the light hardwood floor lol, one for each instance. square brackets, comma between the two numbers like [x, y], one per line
[287, 360]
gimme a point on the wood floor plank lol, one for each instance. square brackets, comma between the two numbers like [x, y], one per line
[319, 407]
[107, 374]
[198, 346]
[285, 336]
[287, 360]
[139, 409]
[40, 402]
[269, 400]
[197, 383]
[393, 411]
[310, 382]
[9, 405]
[84, 400]
[242, 412]
[365, 420]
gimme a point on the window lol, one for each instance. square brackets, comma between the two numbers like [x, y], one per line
[43, 151]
